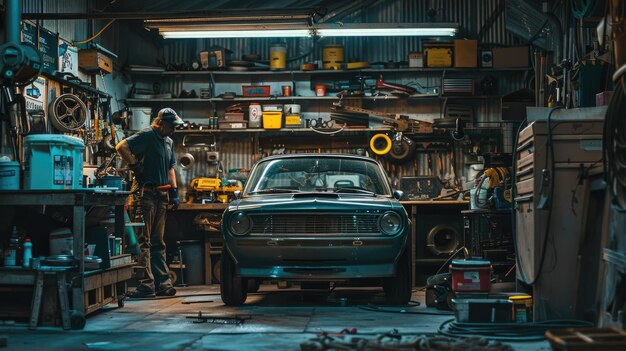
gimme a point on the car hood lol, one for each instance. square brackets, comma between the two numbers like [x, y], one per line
[314, 201]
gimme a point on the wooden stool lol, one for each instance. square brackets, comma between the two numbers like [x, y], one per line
[61, 282]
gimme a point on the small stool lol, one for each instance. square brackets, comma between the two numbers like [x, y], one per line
[61, 283]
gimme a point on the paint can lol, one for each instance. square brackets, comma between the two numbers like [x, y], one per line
[278, 56]
[254, 115]
[522, 308]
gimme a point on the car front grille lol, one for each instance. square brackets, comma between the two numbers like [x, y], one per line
[303, 225]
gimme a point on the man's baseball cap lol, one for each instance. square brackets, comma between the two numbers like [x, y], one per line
[169, 115]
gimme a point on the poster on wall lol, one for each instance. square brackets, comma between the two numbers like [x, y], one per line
[49, 48]
[29, 33]
[68, 58]
[35, 94]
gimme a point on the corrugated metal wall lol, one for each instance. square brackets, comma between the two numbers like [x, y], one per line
[68, 30]
[236, 153]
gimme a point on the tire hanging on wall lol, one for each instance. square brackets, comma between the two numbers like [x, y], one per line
[401, 151]
[68, 113]
[380, 144]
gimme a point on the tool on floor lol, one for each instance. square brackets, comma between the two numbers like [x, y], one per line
[236, 319]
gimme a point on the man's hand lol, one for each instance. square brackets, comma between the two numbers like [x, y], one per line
[137, 169]
[174, 198]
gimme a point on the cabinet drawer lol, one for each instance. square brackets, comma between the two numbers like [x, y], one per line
[526, 186]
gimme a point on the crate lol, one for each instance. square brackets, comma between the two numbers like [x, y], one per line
[93, 60]
[587, 339]
[255, 90]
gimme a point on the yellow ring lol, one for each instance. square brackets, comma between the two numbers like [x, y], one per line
[383, 151]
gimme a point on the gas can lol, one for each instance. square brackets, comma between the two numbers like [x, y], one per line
[254, 115]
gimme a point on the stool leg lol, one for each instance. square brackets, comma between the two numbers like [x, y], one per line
[36, 305]
[63, 301]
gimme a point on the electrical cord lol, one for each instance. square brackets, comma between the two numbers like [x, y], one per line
[402, 310]
[96, 35]
[516, 332]
[549, 201]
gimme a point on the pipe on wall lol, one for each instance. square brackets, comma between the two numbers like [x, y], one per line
[12, 20]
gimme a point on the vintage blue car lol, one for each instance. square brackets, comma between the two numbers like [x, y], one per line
[316, 218]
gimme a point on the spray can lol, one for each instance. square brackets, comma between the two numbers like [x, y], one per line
[10, 258]
[28, 253]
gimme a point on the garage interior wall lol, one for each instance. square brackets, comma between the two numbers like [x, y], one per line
[134, 45]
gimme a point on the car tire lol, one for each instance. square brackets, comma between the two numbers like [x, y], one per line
[398, 288]
[233, 288]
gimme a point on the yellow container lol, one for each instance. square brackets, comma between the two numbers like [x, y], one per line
[272, 119]
[522, 308]
[293, 121]
[438, 57]
[332, 56]
[278, 56]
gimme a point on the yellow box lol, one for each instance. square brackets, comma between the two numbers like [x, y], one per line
[205, 184]
[272, 119]
[293, 121]
[438, 57]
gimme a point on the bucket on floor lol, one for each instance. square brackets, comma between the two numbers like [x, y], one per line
[53, 162]
[193, 259]
[9, 175]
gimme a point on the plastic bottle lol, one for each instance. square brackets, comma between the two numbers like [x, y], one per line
[10, 258]
[28, 253]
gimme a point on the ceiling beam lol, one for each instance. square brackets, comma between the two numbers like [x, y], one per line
[221, 14]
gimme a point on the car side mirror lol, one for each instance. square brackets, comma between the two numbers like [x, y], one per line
[397, 194]
[237, 194]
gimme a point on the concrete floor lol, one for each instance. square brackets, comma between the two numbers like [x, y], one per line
[279, 320]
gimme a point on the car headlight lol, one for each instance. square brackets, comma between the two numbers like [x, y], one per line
[240, 223]
[390, 223]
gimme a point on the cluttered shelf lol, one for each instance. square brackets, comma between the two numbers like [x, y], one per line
[290, 98]
[282, 130]
[160, 71]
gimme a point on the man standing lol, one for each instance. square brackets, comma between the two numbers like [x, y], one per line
[150, 155]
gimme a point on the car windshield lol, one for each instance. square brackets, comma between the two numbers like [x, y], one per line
[318, 174]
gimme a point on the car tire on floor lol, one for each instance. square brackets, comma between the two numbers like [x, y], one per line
[233, 288]
[398, 288]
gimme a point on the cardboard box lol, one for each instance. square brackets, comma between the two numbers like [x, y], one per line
[466, 53]
[93, 60]
[510, 57]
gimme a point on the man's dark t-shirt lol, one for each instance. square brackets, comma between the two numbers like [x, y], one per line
[156, 153]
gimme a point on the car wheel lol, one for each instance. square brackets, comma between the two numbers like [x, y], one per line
[253, 285]
[398, 288]
[232, 287]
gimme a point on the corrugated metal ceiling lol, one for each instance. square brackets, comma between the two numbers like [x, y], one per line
[196, 5]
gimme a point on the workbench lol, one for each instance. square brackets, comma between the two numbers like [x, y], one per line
[89, 290]
[212, 235]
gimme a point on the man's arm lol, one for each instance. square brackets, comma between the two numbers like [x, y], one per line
[172, 175]
[123, 150]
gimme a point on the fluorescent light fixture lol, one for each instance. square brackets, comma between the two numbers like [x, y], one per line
[178, 31]
[277, 33]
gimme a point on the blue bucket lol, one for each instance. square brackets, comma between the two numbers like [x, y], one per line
[9, 175]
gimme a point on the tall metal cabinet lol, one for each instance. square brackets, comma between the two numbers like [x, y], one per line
[576, 139]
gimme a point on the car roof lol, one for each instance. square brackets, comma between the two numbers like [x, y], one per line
[317, 155]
